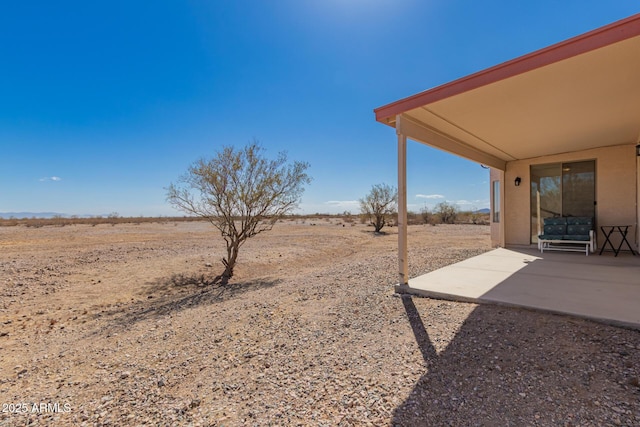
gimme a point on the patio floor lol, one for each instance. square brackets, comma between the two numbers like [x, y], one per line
[603, 288]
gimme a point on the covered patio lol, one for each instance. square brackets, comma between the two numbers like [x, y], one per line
[603, 288]
[569, 106]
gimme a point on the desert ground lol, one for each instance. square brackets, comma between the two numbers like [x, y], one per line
[118, 325]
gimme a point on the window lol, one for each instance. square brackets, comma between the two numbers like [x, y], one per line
[495, 197]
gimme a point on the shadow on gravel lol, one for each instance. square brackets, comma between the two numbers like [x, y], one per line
[380, 233]
[180, 292]
[509, 366]
[419, 331]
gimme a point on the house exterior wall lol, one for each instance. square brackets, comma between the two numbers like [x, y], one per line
[616, 192]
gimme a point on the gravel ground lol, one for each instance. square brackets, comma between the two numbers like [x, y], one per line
[110, 326]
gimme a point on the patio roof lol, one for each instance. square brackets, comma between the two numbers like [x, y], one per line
[578, 94]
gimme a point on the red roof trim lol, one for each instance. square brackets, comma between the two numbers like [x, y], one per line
[592, 40]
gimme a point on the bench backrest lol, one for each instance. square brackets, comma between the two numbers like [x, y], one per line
[572, 225]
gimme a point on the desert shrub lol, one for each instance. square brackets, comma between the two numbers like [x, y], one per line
[379, 206]
[473, 217]
[413, 218]
[447, 212]
[428, 217]
[350, 219]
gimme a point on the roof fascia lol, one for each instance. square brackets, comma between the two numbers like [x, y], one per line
[431, 137]
[592, 40]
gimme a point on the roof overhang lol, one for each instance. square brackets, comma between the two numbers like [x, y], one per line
[575, 95]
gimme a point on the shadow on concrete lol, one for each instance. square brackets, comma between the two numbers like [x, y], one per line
[556, 371]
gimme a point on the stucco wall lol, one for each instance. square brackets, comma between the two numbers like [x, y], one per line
[616, 191]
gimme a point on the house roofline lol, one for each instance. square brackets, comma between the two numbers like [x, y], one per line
[615, 32]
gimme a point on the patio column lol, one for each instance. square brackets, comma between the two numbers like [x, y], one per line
[403, 264]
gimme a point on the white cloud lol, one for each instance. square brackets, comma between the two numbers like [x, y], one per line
[50, 178]
[342, 203]
[429, 196]
[472, 203]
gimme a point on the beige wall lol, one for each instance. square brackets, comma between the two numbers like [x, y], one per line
[616, 191]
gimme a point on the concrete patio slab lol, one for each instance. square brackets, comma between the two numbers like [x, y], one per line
[603, 288]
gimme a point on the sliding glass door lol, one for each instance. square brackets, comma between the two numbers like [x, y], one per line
[561, 190]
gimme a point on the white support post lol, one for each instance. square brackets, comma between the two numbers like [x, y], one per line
[403, 264]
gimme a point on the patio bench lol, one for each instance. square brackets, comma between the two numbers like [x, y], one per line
[573, 234]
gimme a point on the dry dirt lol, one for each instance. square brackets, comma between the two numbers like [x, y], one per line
[116, 325]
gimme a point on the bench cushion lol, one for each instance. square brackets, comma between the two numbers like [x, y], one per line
[555, 229]
[581, 229]
[555, 221]
[580, 220]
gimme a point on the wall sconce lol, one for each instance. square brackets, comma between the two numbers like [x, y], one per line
[518, 181]
[638, 150]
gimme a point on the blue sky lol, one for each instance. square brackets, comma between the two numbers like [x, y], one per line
[105, 103]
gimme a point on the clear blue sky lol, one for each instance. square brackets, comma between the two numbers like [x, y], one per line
[105, 103]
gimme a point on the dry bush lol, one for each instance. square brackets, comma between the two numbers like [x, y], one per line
[447, 212]
[413, 218]
[428, 217]
[380, 205]
[473, 217]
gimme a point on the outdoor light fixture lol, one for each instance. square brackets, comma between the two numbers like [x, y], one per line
[518, 181]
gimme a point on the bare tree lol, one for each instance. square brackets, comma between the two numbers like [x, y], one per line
[379, 205]
[447, 212]
[241, 193]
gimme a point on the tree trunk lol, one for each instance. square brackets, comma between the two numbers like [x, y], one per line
[379, 223]
[229, 262]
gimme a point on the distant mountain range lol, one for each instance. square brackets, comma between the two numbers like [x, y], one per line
[20, 215]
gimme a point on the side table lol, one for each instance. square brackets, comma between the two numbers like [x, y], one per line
[608, 230]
